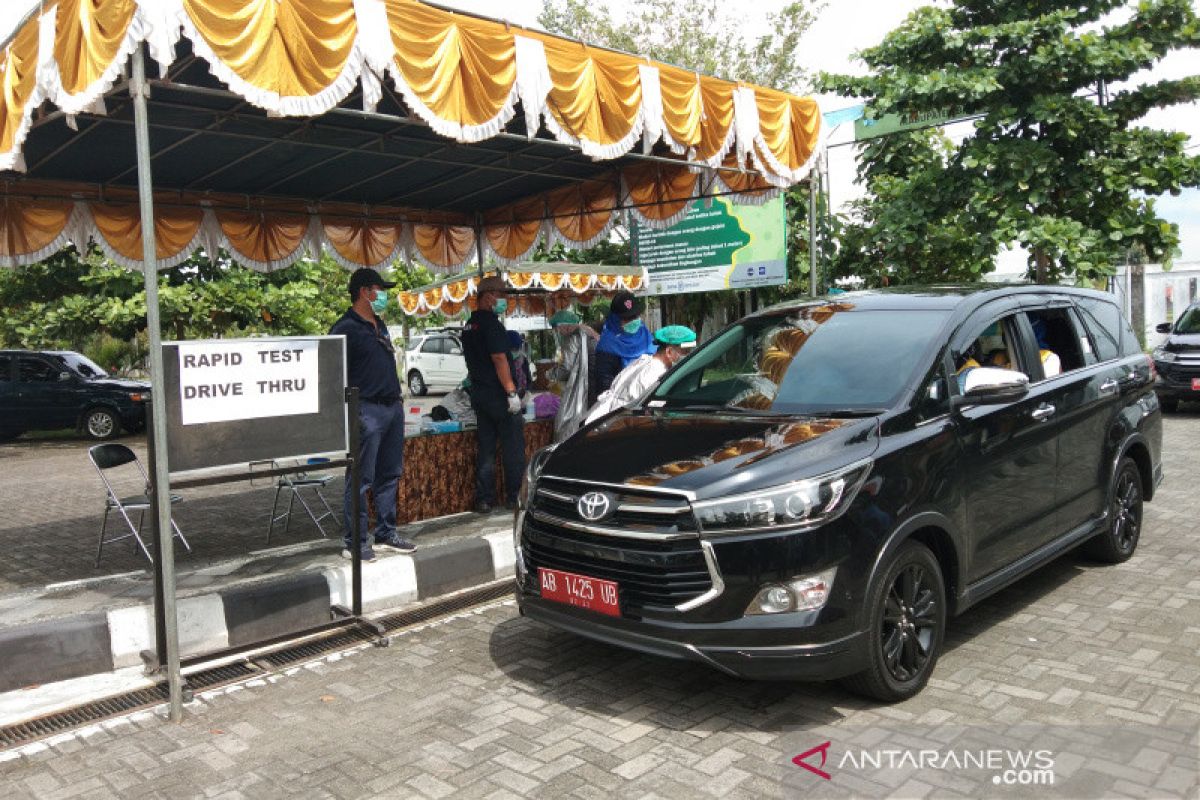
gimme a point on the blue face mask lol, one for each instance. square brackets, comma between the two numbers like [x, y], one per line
[633, 326]
[501, 306]
[380, 303]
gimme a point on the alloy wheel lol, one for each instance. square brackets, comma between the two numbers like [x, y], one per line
[101, 424]
[1127, 511]
[910, 620]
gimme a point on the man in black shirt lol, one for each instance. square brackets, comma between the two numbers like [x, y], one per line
[371, 366]
[494, 397]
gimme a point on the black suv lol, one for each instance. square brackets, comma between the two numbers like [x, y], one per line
[816, 490]
[48, 390]
[1178, 360]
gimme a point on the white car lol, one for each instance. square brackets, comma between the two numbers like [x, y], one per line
[434, 360]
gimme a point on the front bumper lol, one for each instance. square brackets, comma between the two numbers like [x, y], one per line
[821, 660]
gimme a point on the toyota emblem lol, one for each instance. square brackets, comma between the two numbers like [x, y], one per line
[594, 506]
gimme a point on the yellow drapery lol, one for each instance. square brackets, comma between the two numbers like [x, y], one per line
[581, 212]
[789, 126]
[19, 63]
[444, 246]
[121, 226]
[27, 226]
[718, 117]
[263, 236]
[513, 230]
[658, 191]
[362, 241]
[596, 94]
[88, 35]
[462, 69]
[291, 48]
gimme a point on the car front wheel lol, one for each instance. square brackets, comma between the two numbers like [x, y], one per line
[416, 384]
[1120, 539]
[906, 624]
[100, 423]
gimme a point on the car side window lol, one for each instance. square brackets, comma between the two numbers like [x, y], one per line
[934, 399]
[433, 346]
[993, 344]
[412, 345]
[5, 368]
[35, 370]
[1058, 344]
[1103, 321]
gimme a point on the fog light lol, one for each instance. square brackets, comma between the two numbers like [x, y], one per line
[806, 593]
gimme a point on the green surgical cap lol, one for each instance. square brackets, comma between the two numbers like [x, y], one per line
[678, 335]
[565, 317]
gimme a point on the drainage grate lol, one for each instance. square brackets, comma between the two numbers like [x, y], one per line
[213, 677]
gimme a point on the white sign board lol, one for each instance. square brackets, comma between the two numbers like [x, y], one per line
[226, 381]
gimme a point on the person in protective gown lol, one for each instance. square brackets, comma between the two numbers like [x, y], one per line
[576, 342]
[633, 382]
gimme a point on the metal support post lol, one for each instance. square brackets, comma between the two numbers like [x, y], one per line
[164, 609]
[356, 535]
[812, 233]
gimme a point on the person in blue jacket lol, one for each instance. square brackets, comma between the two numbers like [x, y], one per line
[622, 340]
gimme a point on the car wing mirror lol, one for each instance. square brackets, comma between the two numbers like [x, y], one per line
[990, 386]
[1163, 327]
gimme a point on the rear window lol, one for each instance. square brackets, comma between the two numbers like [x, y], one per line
[1104, 323]
[821, 359]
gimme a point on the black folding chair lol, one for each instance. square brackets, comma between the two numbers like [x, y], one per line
[105, 457]
[295, 485]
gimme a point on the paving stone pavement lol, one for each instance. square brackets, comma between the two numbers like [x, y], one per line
[487, 704]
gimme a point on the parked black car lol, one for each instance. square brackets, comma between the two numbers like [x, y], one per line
[48, 390]
[816, 490]
[1177, 360]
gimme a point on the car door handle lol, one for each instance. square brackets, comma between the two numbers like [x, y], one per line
[1043, 412]
[1110, 386]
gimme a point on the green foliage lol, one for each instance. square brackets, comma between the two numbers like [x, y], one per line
[1050, 165]
[702, 35]
[87, 303]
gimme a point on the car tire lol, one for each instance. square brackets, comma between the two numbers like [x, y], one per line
[416, 384]
[1120, 538]
[906, 624]
[1169, 406]
[101, 423]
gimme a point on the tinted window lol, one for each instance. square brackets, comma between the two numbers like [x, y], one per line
[5, 367]
[1103, 321]
[34, 370]
[1189, 322]
[83, 365]
[412, 345]
[814, 360]
[433, 346]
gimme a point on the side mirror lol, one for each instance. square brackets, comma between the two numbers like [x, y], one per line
[1163, 327]
[456, 351]
[991, 386]
[64, 376]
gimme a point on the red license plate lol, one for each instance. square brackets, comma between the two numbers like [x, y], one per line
[580, 591]
[1196, 384]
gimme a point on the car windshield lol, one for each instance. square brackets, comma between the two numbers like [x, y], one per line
[83, 365]
[1189, 322]
[826, 359]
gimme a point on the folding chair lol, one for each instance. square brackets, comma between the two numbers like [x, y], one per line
[295, 484]
[106, 457]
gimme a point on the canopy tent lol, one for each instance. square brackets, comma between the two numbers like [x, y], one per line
[352, 153]
[371, 128]
[540, 288]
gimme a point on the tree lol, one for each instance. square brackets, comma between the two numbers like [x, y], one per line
[703, 35]
[1055, 164]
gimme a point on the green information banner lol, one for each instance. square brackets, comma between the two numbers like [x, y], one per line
[725, 245]
[893, 123]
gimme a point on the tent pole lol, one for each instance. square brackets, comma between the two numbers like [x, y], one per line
[812, 234]
[165, 610]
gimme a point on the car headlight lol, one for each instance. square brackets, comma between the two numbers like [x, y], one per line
[1163, 355]
[793, 506]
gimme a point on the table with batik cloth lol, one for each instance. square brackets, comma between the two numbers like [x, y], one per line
[439, 471]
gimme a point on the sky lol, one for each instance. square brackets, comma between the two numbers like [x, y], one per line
[846, 26]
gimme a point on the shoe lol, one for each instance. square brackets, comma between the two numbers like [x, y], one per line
[368, 554]
[396, 543]
[483, 508]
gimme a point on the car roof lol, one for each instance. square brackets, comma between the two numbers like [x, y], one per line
[946, 297]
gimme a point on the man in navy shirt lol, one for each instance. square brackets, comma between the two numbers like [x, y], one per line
[494, 397]
[371, 366]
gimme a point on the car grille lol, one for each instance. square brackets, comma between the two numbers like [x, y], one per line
[654, 556]
[1186, 367]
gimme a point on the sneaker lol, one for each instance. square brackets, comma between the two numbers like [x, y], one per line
[396, 543]
[368, 554]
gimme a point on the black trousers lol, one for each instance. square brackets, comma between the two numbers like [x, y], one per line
[497, 424]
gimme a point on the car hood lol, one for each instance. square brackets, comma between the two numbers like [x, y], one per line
[120, 384]
[1182, 342]
[710, 454]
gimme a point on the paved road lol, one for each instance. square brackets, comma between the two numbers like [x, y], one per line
[1103, 660]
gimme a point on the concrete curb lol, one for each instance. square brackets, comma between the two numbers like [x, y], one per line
[96, 642]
